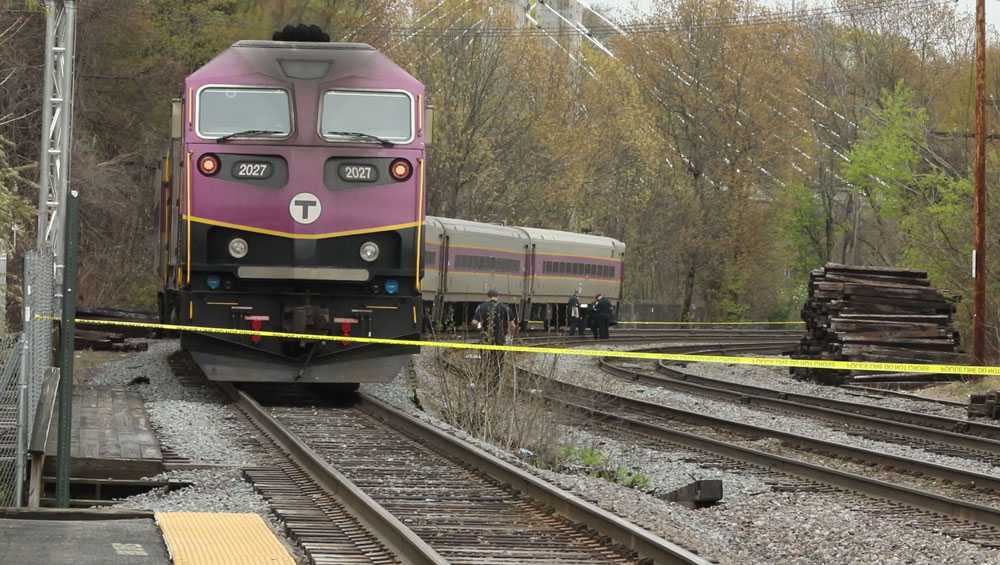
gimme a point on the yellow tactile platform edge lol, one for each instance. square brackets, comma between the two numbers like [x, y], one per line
[205, 538]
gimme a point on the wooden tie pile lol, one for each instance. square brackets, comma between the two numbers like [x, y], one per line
[857, 313]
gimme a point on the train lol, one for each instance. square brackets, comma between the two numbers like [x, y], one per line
[291, 197]
[535, 270]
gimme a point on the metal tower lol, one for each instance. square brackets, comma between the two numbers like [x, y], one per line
[57, 126]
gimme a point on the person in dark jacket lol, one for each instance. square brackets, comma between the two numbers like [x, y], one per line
[496, 321]
[575, 314]
[601, 313]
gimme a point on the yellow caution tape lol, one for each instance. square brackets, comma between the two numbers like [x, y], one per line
[681, 357]
[714, 323]
[697, 323]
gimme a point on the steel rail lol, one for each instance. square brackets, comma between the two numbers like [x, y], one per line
[567, 390]
[931, 421]
[951, 438]
[571, 507]
[387, 528]
[777, 400]
[871, 487]
[904, 395]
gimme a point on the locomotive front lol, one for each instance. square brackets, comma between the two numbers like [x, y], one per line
[296, 205]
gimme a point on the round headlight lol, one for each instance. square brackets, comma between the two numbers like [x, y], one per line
[400, 169]
[238, 247]
[208, 164]
[369, 251]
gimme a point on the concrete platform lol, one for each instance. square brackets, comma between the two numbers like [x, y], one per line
[111, 436]
[80, 538]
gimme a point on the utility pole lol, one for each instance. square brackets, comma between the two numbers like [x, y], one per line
[58, 221]
[67, 333]
[979, 254]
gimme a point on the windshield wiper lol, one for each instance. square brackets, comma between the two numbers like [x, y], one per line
[359, 135]
[247, 132]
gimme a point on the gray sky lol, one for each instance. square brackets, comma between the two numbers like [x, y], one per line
[630, 6]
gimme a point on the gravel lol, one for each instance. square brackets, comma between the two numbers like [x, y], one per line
[213, 490]
[152, 365]
[584, 372]
[778, 527]
[667, 470]
[779, 379]
[753, 524]
[198, 423]
[203, 432]
[195, 421]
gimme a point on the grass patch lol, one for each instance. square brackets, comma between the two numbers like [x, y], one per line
[595, 463]
[490, 398]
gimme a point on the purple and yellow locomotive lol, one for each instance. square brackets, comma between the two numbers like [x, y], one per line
[292, 199]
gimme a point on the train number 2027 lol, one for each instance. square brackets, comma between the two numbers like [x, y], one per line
[358, 173]
[252, 170]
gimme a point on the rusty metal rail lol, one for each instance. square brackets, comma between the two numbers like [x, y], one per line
[467, 505]
[966, 427]
[967, 520]
[861, 419]
[400, 540]
[976, 518]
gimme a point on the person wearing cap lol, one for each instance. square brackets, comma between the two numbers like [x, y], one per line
[494, 318]
[601, 313]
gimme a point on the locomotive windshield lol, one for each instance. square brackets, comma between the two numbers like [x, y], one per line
[224, 111]
[386, 115]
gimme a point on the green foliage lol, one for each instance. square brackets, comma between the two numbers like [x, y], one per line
[632, 478]
[883, 163]
[925, 207]
[802, 227]
[15, 211]
[595, 463]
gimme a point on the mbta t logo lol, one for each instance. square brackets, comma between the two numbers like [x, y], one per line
[305, 208]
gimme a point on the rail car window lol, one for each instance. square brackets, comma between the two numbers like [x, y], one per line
[585, 269]
[487, 263]
[430, 258]
[222, 111]
[388, 115]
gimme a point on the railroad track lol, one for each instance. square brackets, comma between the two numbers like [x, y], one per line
[344, 504]
[938, 498]
[958, 502]
[430, 498]
[937, 434]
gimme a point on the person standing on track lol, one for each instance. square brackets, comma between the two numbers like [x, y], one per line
[601, 313]
[497, 323]
[574, 314]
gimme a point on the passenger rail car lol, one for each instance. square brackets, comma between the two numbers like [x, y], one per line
[292, 199]
[536, 270]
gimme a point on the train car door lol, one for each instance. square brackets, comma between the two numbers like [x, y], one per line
[439, 305]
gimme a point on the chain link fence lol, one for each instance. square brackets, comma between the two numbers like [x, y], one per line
[25, 359]
[39, 305]
[12, 438]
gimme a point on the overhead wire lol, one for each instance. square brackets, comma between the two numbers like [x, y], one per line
[765, 19]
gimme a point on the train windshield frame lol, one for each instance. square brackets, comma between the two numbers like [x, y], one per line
[387, 114]
[223, 110]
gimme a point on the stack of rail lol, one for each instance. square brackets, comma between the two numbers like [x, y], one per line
[893, 315]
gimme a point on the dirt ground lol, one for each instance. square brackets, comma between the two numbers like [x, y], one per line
[85, 361]
[960, 391]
